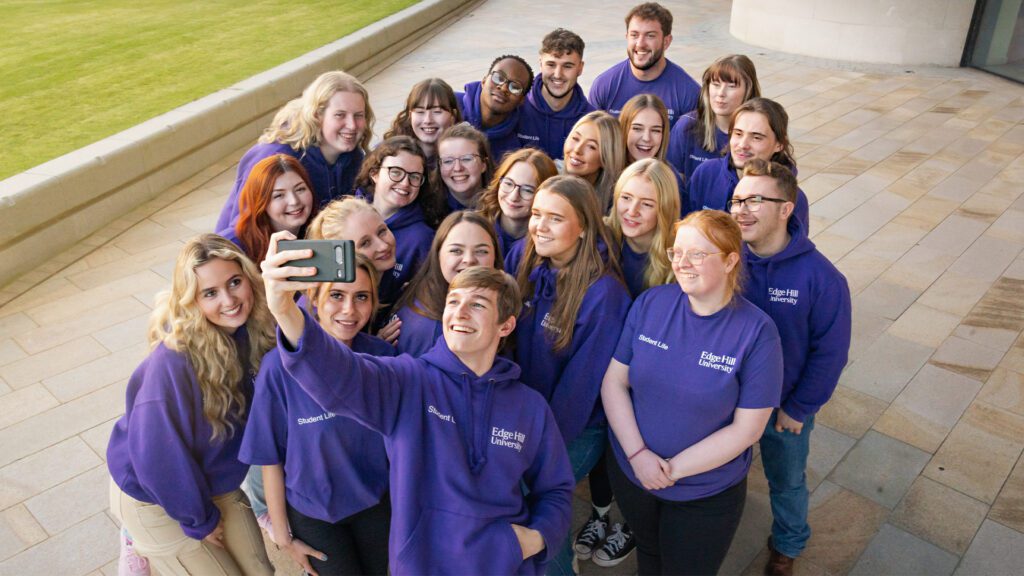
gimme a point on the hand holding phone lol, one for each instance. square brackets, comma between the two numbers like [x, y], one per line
[334, 260]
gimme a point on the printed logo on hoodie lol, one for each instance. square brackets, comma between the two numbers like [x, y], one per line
[722, 362]
[513, 439]
[784, 295]
[446, 417]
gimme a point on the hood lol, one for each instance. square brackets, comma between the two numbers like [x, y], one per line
[471, 111]
[406, 216]
[799, 244]
[475, 403]
[577, 106]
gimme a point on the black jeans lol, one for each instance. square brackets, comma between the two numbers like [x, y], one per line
[600, 488]
[673, 537]
[356, 545]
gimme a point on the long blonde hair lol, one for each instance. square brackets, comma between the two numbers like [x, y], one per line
[612, 152]
[178, 323]
[659, 268]
[585, 268]
[298, 123]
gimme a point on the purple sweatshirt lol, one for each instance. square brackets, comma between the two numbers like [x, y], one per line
[161, 450]
[419, 333]
[333, 466]
[633, 267]
[616, 85]
[503, 136]
[544, 128]
[329, 181]
[570, 380]
[461, 446]
[809, 300]
[505, 241]
[686, 147]
[715, 180]
[689, 373]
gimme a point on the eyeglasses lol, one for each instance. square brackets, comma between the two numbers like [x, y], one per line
[465, 160]
[695, 257]
[508, 186]
[753, 203]
[499, 79]
[397, 174]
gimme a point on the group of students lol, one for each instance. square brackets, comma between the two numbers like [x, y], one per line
[547, 288]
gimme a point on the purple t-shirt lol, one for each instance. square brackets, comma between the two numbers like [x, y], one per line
[689, 373]
[616, 85]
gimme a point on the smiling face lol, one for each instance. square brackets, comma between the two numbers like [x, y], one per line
[343, 123]
[499, 99]
[523, 178]
[770, 219]
[637, 210]
[461, 177]
[752, 137]
[389, 196]
[555, 228]
[559, 73]
[725, 96]
[708, 280]
[471, 323]
[372, 238]
[345, 308]
[224, 294]
[428, 120]
[582, 152]
[645, 134]
[466, 245]
[645, 43]
[291, 203]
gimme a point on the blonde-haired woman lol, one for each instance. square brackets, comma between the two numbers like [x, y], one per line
[594, 151]
[173, 456]
[328, 129]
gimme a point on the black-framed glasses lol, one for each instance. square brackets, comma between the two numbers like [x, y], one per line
[507, 186]
[397, 174]
[696, 257]
[753, 203]
[499, 79]
[465, 160]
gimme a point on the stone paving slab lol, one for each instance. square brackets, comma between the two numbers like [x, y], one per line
[915, 178]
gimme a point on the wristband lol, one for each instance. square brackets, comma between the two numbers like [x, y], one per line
[637, 453]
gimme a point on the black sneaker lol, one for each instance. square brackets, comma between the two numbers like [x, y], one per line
[617, 547]
[591, 535]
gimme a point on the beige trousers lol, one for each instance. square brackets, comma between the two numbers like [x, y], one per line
[160, 538]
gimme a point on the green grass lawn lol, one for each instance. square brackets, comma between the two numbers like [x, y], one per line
[74, 72]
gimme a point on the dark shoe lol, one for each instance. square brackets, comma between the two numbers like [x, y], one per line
[590, 536]
[617, 547]
[778, 563]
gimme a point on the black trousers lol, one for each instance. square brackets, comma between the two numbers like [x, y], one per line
[673, 537]
[356, 545]
[600, 488]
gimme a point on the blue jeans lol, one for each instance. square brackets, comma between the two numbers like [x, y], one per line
[584, 452]
[253, 488]
[784, 456]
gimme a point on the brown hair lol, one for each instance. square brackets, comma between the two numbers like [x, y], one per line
[466, 131]
[652, 11]
[426, 93]
[735, 68]
[722, 231]
[636, 105]
[560, 42]
[425, 293]
[778, 121]
[780, 174]
[509, 300]
[585, 268]
[429, 198]
[537, 159]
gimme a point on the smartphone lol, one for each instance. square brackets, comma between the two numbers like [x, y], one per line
[335, 260]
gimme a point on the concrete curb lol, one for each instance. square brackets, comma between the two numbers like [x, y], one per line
[45, 210]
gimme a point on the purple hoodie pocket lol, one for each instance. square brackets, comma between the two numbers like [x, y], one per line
[446, 542]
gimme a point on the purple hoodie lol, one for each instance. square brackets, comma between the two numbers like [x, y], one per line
[503, 136]
[633, 267]
[161, 450]
[544, 128]
[689, 373]
[462, 447]
[686, 147]
[329, 181]
[419, 333]
[616, 85]
[809, 300]
[713, 183]
[334, 466]
[570, 380]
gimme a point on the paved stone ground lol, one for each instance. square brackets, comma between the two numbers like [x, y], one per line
[915, 177]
